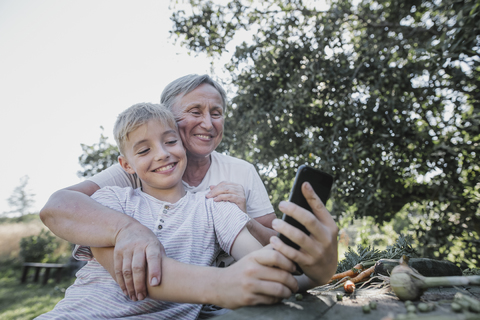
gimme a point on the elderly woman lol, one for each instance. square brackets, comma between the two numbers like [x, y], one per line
[198, 103]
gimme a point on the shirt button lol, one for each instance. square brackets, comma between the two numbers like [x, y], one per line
[160, 227]
[167, 207]
[165, 211]
[161, 220]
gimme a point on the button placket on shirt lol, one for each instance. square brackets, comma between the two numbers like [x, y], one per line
[165, 211]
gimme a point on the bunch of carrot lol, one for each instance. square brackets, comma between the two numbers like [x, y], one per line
[357, 274]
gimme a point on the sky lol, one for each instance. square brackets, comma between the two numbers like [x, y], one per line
[66, 69]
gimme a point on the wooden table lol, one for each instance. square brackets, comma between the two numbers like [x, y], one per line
[324, 305]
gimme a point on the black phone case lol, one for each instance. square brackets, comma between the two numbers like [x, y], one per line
[321, 183]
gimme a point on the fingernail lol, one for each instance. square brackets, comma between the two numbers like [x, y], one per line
[274, 223]
[125, 292]
[274, 240]
[133, 298]
[281, 205]
[154, 281]
[140, 296]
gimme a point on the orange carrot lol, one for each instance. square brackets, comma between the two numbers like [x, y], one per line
[364, 274]
[349, 273]
[349, 286]
[340, 282]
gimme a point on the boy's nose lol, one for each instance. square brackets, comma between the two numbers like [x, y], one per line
[161, 154]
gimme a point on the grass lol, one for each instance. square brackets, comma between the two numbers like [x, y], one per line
[29, 300]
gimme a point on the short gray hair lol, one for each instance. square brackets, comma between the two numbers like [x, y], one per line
[136, 116]
[186, 84]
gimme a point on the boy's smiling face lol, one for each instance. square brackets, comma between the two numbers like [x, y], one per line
[155, 152]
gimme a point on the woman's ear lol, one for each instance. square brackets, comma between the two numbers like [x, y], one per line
[125, 165]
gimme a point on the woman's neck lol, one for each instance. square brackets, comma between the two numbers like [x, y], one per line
[197, 168]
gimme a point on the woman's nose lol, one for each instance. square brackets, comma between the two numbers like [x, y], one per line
[207, 122]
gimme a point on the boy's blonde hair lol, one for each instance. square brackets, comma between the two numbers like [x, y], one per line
[136, 116]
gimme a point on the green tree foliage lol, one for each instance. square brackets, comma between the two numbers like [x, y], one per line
[21, 200]
[38, 248]
[97, 157]
[382, 94]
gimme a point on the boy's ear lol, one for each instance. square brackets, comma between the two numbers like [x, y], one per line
[125, 165]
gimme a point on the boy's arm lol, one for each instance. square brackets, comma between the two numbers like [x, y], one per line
[259, 227]
[244, 244]
[259, 231]
[72, 215]
[318, 251]
[261, 277]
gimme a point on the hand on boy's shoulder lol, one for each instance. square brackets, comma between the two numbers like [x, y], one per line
[229, 191]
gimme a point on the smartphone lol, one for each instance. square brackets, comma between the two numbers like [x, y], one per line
[321, 183]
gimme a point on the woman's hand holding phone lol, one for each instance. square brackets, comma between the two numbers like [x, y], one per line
[317, 255]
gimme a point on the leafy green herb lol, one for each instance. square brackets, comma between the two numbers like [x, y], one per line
[403, 246]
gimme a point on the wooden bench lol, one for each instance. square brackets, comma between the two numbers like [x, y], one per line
[38, 267]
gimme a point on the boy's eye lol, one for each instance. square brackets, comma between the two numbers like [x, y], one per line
[172, 141]
[143, 151]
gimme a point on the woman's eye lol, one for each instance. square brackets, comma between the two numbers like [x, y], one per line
[143, 151]
[172, 141]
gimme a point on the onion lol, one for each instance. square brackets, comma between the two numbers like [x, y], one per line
[408, 284]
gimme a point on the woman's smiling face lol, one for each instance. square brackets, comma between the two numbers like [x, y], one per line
[200, 120]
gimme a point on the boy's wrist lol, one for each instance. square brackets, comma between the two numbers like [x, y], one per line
[214, 283]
